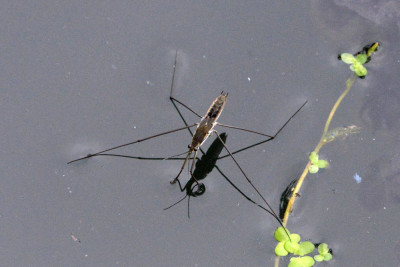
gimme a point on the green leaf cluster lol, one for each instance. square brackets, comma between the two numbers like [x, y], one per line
[316, 163]
[358, 60]
[292, 245]
[288, 245]
[324, 254]
[356, 63]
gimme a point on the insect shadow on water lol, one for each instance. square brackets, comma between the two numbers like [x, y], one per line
[203, 167]
[204, 129]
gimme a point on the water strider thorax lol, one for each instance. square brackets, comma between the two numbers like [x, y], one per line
[207, 123]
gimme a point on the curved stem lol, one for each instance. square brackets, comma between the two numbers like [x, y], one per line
[349, 83]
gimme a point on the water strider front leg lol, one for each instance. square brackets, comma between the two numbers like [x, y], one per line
[192, 167]
[183, 166]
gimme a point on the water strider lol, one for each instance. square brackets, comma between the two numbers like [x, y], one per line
[204, 129]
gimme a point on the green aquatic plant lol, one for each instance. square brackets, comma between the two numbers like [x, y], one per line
[356, 63]
[305, 261]
[314, 163]
[324, 254]
[286, 246]
[358, 60]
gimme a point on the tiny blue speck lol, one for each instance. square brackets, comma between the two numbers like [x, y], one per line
[357, 178]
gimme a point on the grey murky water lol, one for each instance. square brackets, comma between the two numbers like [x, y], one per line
[79, 77]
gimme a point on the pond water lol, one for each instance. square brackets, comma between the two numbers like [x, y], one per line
[82, 77]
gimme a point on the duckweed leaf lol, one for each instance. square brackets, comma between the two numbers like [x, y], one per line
[347, 58]
[327, 257]
[313, 169]
[360, 70]
[319, 258]
[280, 234]
[313, 157]
[322, 164]
[361, 58]
[323, 248]
[295, 238]
[280, 250]
[291, 246]
[305, 248]
[301, 262]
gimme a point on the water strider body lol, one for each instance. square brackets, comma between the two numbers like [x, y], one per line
[204, 130]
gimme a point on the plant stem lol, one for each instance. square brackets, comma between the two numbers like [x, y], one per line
[349, 83]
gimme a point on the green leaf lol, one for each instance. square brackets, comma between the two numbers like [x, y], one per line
[305, 248]
[347, 58]
[327, 257]
[360, 70]
[280, 250]
[280, 234]
[313, 157]
[361, 58]
[323, 248]
[318, 258]
[295, 238]
[306, 261]
[291, 246]
[322, 164]
[313, 169]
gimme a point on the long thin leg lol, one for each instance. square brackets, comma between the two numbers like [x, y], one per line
[134, 157]
[251, 131]
[272, 212]
[271, 136]
[245, 148]
[243, 129]
[172, 88]
[183, 166]
[291, 117]
[241, 192]
[192, 167]
[131, 143]
[195, 113]
[244, 174]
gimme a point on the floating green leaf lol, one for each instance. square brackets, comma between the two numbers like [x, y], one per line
[327, 257]
[305, 261]
[280, 250]
[305, 248]
[313, 157]
[361, 58]
[347, 58]
[291, 246]
[356, 63]
[295, 238]
[322, 164]
[324, 254]
[281, 235]
[358, 69]
[313, 169]
[323, 248]
[319, 258]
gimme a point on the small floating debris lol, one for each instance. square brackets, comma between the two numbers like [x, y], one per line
[75, 238]
[357, 178]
